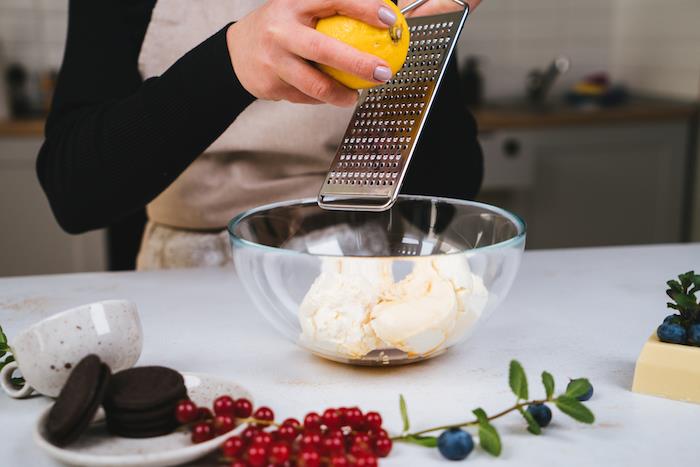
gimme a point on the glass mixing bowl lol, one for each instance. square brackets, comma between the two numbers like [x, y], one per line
[377, 288]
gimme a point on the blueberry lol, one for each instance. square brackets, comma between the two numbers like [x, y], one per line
[694, 334]
[671, 333]
[455, 444]
[672, 319]
[541, 413]
[585, 396]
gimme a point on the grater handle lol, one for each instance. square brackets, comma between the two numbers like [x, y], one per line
[418, 3]
[354, 203]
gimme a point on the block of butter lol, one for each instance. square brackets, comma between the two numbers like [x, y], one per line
[668, 370]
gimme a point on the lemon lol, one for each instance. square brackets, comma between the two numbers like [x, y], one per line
[389, 44]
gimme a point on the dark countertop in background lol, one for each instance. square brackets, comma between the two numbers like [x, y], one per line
[22, 128]
[505, 114]
[517, 114]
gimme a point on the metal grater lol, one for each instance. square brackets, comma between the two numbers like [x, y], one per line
[372, 160]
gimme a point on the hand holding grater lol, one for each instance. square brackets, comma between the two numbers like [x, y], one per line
[373, 157]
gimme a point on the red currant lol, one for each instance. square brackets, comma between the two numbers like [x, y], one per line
[264, 414]
[342, 412]
[291, 422]
[233, 446]
[249, 433]
[238, 463]
[204, 414]
[287, 433]
[257, 456]
[331, 418]
[361, 438]
[365, 460]
[309, 458]
[263, 438]
[223, 405]
[348, 439]
[382, 447]
[359, 449]
[336, 434]
[333, 445]
[312, 421]
[310, 440]
[354, 417]
[243, 408]
[186, 411]
[223, 424]
[373, 420]
[339, 461]
[380, 433]
[202, 432]
[279, 454]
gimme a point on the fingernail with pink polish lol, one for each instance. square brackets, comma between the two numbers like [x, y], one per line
[382, 73]
[387, 16]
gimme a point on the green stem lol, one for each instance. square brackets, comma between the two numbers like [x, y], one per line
[518, 406]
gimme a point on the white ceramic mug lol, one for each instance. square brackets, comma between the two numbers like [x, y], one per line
[46, 352]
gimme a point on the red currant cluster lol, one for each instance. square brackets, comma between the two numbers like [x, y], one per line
[205, 425]
[338, 438]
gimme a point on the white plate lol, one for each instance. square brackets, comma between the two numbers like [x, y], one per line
[96, 447]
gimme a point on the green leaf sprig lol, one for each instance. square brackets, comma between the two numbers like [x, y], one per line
[489, 439]
[7, 357]
[682, 292]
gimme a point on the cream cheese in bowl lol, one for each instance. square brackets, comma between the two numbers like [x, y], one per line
[377, 288]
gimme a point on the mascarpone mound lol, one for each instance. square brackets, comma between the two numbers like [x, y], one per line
[417, 314]
[355, 306]
[335, 312]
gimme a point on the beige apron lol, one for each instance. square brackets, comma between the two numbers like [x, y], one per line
[273, 151]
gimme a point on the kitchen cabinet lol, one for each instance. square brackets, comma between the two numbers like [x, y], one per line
[591, 185]
[31, 240]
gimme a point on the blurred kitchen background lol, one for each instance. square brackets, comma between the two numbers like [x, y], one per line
[588, 116]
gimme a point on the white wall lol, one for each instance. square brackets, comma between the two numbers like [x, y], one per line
[33, 32]
[656, 46]
[516, 36]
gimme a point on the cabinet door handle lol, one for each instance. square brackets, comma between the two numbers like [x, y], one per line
[511, 148]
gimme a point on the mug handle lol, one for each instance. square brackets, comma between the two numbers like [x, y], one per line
[9, 387]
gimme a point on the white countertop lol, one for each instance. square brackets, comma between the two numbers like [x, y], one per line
[584, 312]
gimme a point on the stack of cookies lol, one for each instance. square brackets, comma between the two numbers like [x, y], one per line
[138, 402]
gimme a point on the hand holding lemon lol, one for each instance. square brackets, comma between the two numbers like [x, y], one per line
[360, 43]
[274, 48]
[389, 44]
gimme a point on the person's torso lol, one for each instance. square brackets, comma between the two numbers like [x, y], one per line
[273, 150]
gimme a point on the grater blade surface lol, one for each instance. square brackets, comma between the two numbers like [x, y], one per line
[372, 159]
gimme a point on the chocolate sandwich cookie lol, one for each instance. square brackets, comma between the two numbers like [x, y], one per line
[144, 388]
[140, 402]
[78, 401]
[144, 416]
[142, 430]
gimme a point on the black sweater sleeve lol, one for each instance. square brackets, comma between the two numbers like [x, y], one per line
[113, 142]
